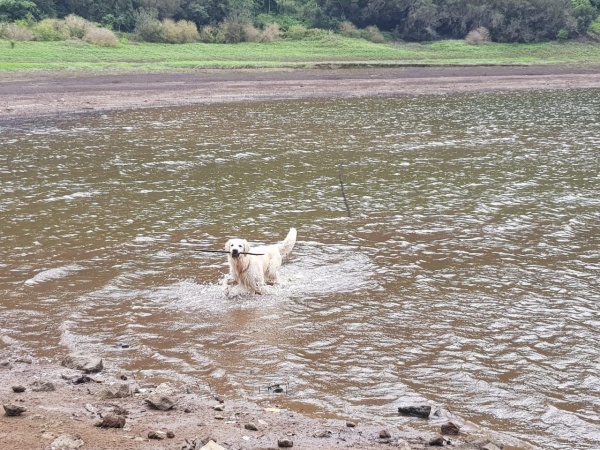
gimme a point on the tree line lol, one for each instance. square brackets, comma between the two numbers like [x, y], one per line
[409, 20]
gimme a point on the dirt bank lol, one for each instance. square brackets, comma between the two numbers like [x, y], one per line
[63, 402]
[31, 94]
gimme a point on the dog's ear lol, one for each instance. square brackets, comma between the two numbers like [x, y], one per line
[246, 247]
[227, 244]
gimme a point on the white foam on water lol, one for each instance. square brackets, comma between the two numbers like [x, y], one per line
[53, 274]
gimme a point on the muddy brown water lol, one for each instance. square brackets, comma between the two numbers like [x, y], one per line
[467, 276]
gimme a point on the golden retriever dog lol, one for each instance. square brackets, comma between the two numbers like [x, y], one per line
[255, 271]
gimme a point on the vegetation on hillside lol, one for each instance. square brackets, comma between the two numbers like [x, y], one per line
[230, 21]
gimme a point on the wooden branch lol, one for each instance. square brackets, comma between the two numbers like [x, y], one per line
[344, 192]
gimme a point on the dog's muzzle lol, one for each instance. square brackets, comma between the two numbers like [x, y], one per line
[235, 253]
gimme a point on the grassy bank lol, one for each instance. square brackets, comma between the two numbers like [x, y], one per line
[330, 49]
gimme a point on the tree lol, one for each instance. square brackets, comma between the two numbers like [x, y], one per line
[584, 14]
[11, 10]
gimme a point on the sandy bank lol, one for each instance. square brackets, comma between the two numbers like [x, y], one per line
[32, 94]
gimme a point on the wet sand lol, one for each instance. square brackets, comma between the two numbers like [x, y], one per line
[76, 403]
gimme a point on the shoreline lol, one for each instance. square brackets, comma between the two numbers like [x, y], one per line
[28, 95]
[69, 404]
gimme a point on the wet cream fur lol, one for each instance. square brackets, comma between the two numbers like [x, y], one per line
[254, 272]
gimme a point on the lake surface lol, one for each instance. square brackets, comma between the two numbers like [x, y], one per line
[467, 276]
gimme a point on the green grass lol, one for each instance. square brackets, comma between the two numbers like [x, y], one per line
[332, 49]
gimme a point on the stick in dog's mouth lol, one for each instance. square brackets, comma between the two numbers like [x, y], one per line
[238, 253]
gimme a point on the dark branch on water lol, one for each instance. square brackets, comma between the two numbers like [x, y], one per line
[344, 192]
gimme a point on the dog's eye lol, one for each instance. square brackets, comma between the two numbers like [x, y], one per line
[239, 246]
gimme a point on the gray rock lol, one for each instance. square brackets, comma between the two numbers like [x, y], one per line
[159, 435]
[83, 361]
[163, 397]
[350, 424]
[250, 426]
[161, 402]
[322, 434]
[384, 434]
[450, 429]
[403, 445]
[120, 390]
[24, 360]
[111, 421]
[490, 446]
[18, 389]
[285, 442]
[42, 386]
[66, 442]
[14, 410]
[438, 441]
[422, 411]
[212, 445]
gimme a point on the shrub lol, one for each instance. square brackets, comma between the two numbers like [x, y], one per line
[178, 32]
[593, 30]
[102, 37]
[372, 33]
[296, 32]
[271, 32]
[233, 32]
[50, 30]
[562, 35]
[284, 21]
[147, 27]
[77, 26]
[15, 32]
[478, 36]
[169, 32]
[318, 33]
[188, 30]
[209, 34]
[252, 33]
[348, 29]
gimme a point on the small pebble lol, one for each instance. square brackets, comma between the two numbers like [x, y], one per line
[18, 389]
[384, 434]
[111, 421]
[350, 424]
[450, 429]
[250, 426]
[322, 434]
[159, 435]
[437, 442]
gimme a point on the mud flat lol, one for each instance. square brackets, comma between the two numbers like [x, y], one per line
[31, 94]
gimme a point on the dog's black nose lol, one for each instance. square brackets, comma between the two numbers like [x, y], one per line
[235, 253]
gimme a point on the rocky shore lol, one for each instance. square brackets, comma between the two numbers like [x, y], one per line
[80, 403]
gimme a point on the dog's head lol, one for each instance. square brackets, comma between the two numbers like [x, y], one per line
[235, 247]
